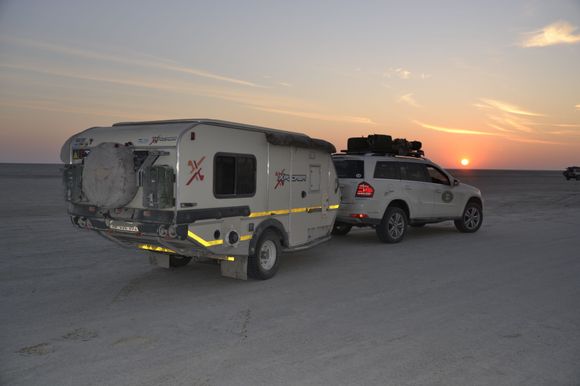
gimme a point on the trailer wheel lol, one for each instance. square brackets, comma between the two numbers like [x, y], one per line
[263, 263]
[176, 261]
[341, 229]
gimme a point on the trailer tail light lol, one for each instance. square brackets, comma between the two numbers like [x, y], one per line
[359, 215]
[364, 190]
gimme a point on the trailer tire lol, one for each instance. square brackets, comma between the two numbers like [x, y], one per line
[264, 262]
[109, 179]
[176, 261]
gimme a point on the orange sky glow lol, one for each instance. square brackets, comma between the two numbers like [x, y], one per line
[494, 83]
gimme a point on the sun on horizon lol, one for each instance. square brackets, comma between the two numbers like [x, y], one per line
[464, 162]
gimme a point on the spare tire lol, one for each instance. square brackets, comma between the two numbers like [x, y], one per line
[109, 177]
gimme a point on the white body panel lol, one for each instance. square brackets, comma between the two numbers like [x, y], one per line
[426, 201]
[295, 185]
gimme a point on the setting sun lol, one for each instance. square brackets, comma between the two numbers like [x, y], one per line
[464, 162]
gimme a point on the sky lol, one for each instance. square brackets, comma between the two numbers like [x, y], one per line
[494, 82]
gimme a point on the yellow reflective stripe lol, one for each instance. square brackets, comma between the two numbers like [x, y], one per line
[286, 211]
[270, 213]
[202, 241]
[154, 248]
[245, 237]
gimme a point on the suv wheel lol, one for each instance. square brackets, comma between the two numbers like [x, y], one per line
[264, 262]
[471, 219]
[341, 229]
[393, 226]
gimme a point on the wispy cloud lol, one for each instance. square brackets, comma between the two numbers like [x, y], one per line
[318, 116]
[560, 32]
[452, 130]
[243, 97]
[139, 62]
[262, 102]
[409, 99]
[68, 108]
[532, 140]
[397, 73]
[517, 124]
[508, 118]
[506, 134]
[505, 107]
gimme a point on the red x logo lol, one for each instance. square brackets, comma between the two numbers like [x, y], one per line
[195, 170]
[280, 178]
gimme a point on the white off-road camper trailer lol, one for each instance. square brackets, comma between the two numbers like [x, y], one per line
[202, 188]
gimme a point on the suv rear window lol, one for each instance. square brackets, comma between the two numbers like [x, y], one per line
[350, 168]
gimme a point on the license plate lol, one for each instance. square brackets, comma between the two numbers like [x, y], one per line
[123, 226]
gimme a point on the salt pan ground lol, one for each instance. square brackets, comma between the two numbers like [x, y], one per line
[499, 307]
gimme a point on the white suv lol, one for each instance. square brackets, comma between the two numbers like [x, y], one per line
[390, 192]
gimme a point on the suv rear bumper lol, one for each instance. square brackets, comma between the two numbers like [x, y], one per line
[360, 213]
[358, 221]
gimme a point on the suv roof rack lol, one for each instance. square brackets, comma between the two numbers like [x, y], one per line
[381, 145]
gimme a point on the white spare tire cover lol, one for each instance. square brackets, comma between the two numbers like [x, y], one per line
[109, 177]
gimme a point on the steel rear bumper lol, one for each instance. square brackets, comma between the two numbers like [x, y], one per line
[145, 236]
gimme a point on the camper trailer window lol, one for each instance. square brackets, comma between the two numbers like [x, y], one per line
[234, 175]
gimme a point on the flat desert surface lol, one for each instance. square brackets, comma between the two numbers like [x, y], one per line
[498, 307]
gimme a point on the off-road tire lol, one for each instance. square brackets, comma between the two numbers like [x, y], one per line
[109, 178]
[393, 226]
[264, 262]
[176, 261]
[471, 219]
[341, 229]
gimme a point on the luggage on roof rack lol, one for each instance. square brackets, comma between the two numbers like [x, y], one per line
[384, 144]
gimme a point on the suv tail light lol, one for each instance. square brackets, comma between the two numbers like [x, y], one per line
[364, 190]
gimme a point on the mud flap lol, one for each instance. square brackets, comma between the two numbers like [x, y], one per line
[237, 269]
[159, 260]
